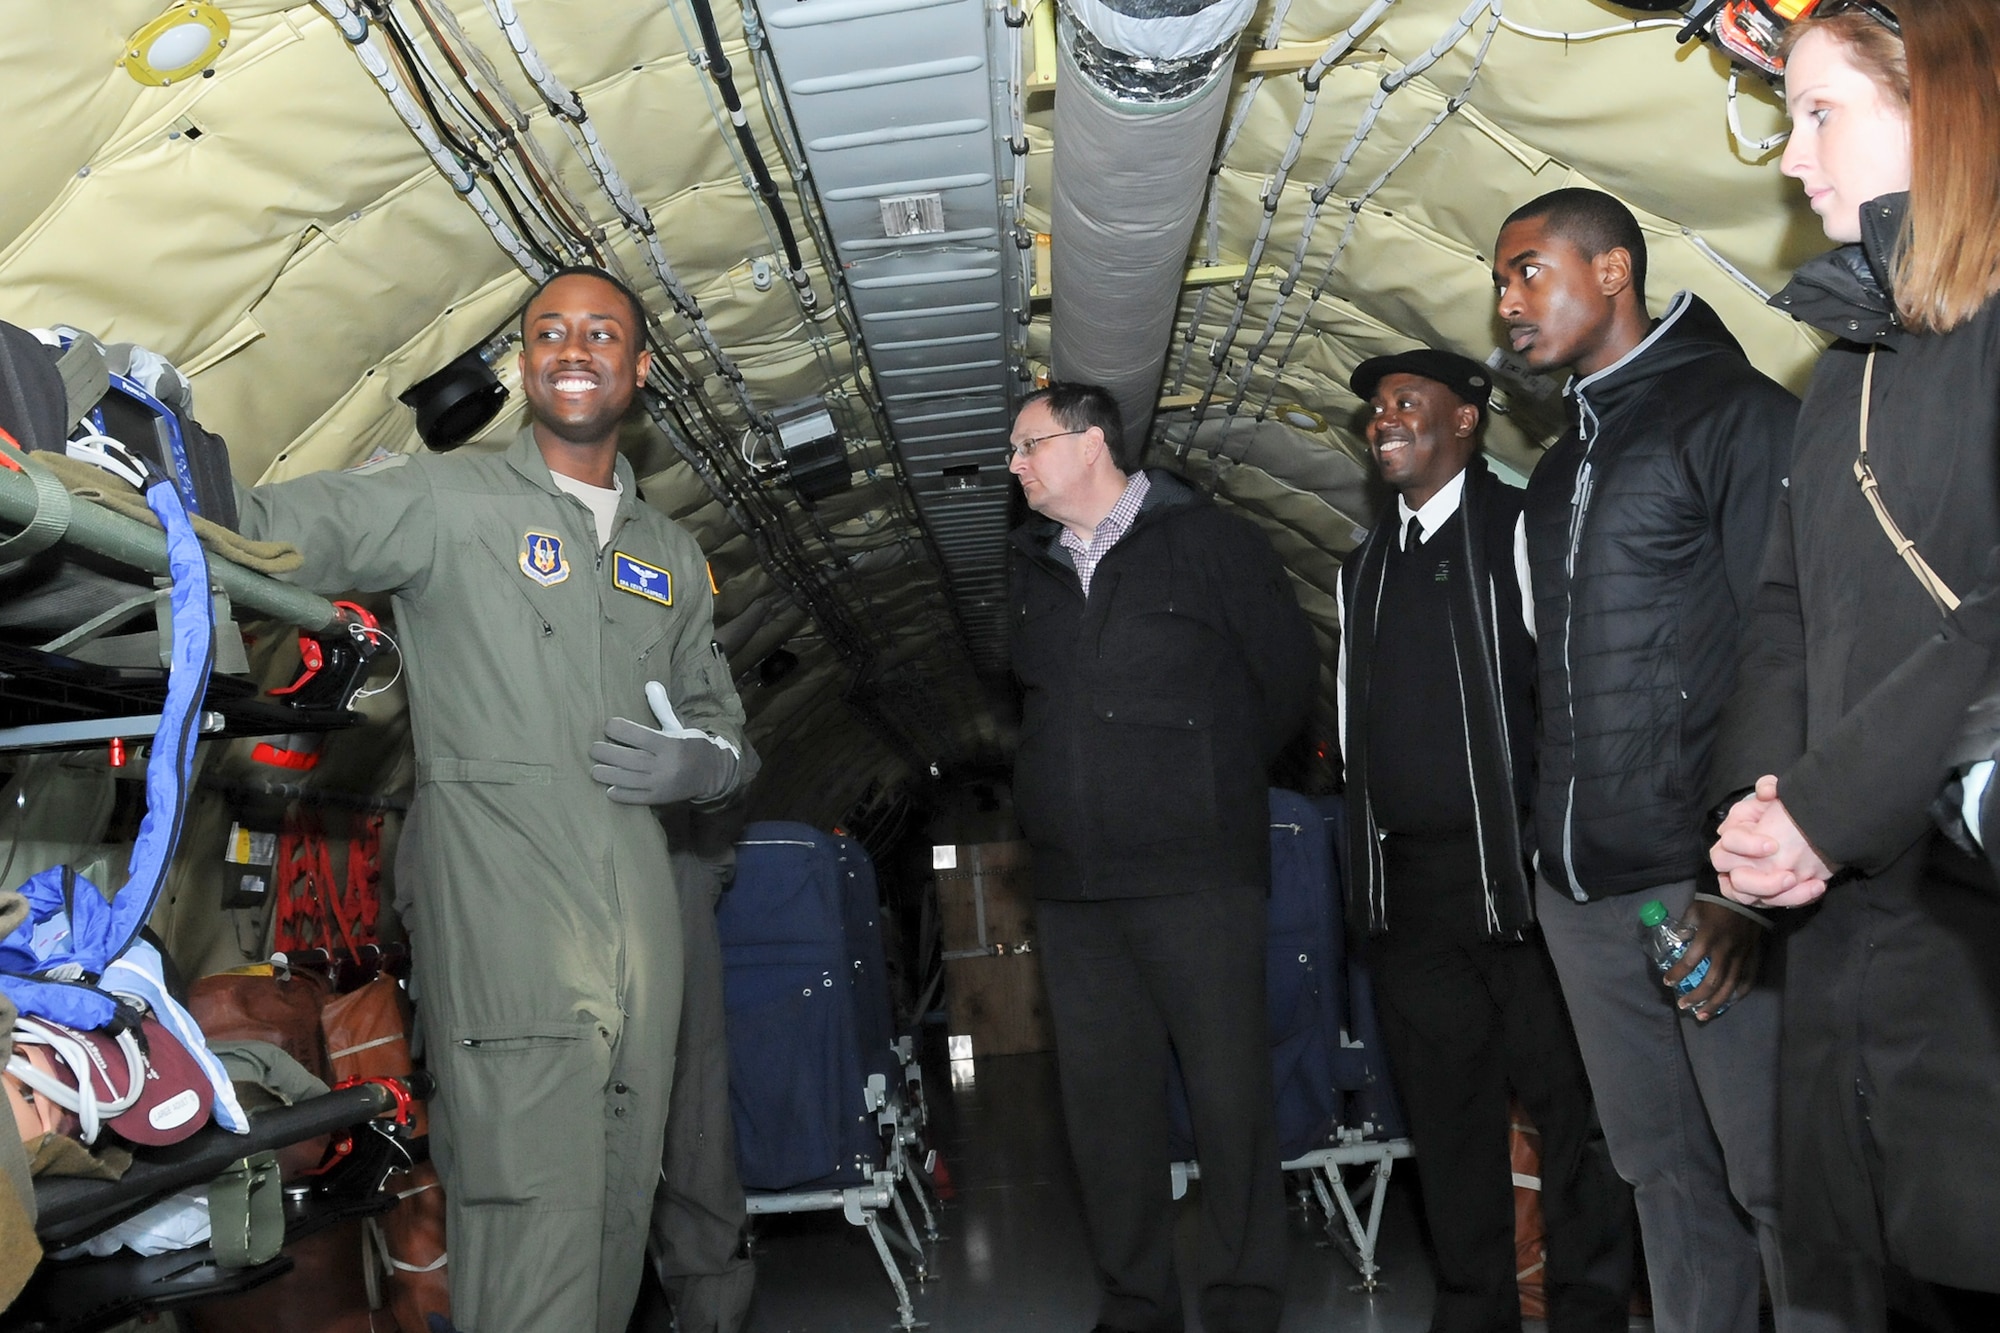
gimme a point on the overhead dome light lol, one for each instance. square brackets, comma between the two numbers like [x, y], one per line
[1301, 418]
[179, 44]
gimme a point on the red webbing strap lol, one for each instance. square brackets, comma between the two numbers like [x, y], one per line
[297, 926]
[312, 903]
[363, 897]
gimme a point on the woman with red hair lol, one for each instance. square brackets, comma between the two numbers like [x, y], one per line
[1861, 664]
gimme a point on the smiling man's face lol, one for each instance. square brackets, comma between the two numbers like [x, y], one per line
[583, 359]
[1421, 434]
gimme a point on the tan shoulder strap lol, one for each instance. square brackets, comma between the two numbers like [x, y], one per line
[1940, 592]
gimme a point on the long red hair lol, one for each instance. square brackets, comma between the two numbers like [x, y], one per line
[1946, 69]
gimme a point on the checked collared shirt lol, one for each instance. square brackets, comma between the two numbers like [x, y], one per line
[1115, 524]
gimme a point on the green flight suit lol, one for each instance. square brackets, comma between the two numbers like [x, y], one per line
[546, 930]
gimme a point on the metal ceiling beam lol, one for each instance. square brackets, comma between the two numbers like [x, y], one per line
[898, 105]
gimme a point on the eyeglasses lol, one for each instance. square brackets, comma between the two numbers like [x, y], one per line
[1026, 448]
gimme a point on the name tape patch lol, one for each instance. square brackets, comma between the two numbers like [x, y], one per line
[636, 576]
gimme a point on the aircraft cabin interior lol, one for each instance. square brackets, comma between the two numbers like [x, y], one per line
[315, 682]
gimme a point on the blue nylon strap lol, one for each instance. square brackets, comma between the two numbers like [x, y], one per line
[175, 448]
[100, 931]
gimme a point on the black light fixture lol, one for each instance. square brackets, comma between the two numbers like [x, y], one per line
[776, 665]
[814, 455]
[456, 403]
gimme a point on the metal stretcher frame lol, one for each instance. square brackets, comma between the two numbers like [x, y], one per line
[73, 1296]
[901, 1119]
[1355, 1138]
[895, 1097]
[1326, 1186]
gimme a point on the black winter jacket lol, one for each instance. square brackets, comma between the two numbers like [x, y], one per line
[1646, 524]
[1496, 692]
[1852, 689]
[1853, 684]
[1152, 709]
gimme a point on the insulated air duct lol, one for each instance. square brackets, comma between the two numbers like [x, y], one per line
[1141, 93]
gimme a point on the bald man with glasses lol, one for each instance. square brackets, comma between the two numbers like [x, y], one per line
[1163, 662]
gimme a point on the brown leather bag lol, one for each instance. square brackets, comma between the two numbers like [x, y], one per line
[257, 1004]
[327, 1289]
[326, 1292]
[411, 1244]
[1531, 1244]
[1524, 1143]
[367, 1034]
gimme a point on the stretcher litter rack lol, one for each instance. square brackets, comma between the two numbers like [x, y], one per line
[86, 1294]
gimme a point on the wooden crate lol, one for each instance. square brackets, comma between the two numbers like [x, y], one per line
[993, 976]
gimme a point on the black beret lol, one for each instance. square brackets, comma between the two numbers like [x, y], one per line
[1462, 375]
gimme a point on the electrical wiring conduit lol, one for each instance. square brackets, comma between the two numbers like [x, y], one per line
[1274, 186]
[766, 188]
[1212, 252]
[1399, 78]
[778, 549]
[354, 27]
[567, 107]
[1390, 84]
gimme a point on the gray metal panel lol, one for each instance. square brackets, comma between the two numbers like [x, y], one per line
[898, 98]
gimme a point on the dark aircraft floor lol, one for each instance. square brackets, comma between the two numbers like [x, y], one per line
[1014, 1258]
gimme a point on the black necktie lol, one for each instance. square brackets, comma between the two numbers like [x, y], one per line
[1413, 536]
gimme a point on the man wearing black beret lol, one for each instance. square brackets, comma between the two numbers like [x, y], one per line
[1436, 684]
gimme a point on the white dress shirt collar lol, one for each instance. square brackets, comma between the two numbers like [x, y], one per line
[1434, 511]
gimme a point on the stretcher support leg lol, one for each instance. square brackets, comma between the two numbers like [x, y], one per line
[906, 1313]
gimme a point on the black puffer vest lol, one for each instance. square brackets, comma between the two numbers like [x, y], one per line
[1646, 524]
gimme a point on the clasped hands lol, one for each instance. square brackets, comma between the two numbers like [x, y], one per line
[1762, 857]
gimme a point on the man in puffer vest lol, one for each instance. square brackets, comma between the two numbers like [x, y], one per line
[1645, 530]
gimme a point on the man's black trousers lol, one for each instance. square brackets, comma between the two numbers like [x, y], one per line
[1464, 1019]
[1127, 977]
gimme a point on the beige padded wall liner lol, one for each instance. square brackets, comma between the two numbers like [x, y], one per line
[302, 255]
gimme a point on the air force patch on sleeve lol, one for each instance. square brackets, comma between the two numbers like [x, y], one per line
[636, 576]
[542, 558]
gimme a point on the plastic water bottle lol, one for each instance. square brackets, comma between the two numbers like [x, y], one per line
[1665, 940]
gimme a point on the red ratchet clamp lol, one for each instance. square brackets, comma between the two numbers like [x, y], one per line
[342, 1145]
[335, 661]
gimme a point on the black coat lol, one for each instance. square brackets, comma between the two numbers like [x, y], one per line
[1646, 525]
[1851, 690]
[1151, 710]
[1853, 685]
[1495, 691]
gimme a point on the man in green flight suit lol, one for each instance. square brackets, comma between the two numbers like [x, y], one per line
[540, 607]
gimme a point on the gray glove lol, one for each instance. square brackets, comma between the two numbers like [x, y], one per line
[646, 766]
